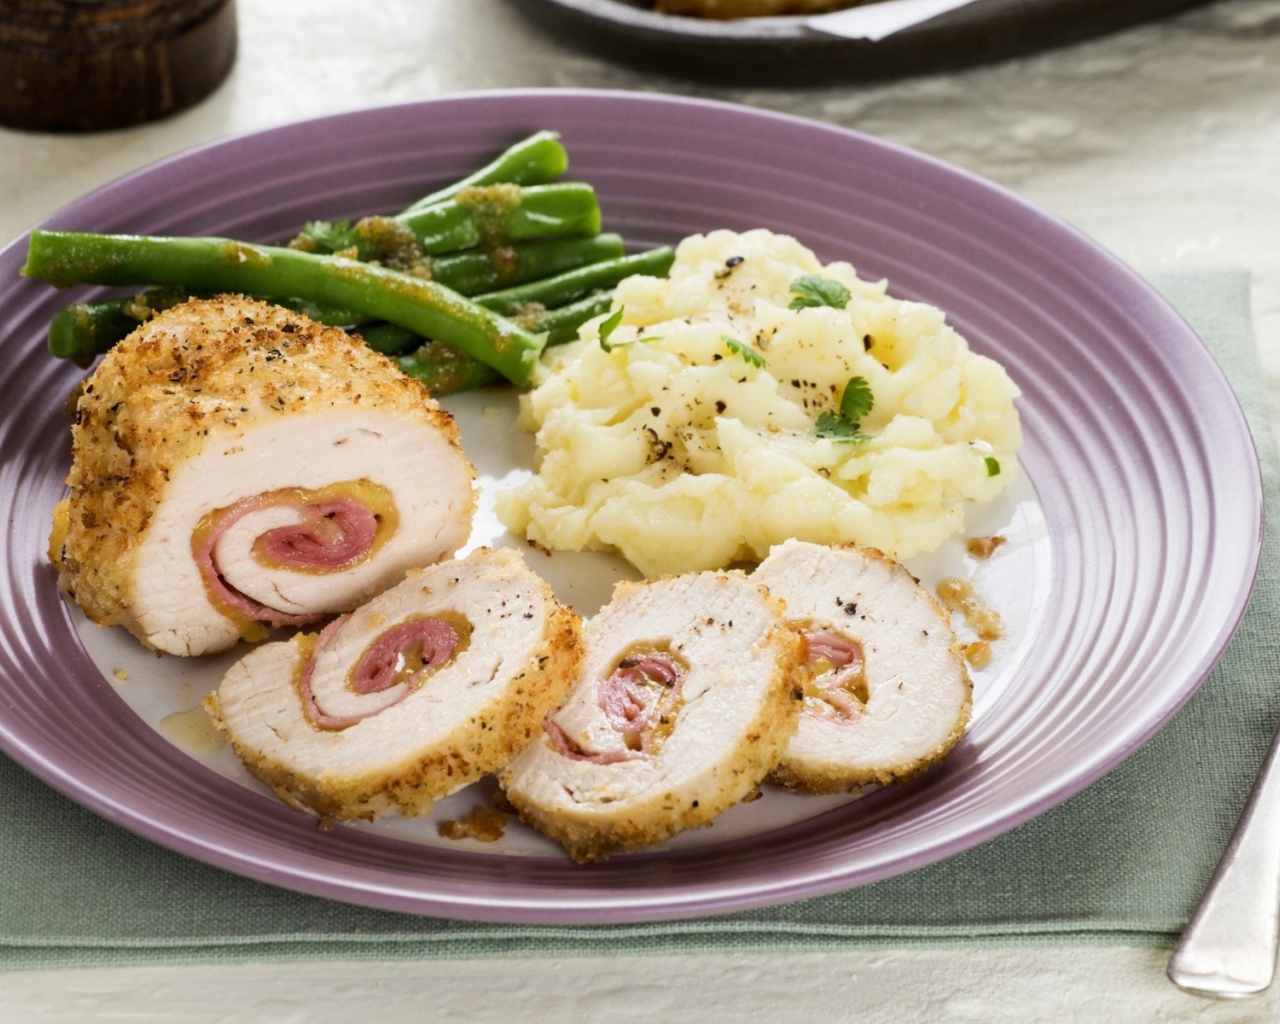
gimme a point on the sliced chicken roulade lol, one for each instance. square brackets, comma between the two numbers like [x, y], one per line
[684, 703]
[887, 693]
[428, 687]
[235, 464]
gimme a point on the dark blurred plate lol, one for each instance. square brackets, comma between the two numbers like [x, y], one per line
[786, 51]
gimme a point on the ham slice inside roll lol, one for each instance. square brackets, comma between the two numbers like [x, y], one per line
[323, 532]
[393, 665]
[237, 466]
[429, 686]
[685, 700]
[641, 701]
[887, 693]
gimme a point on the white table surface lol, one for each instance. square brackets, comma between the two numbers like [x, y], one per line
[1162, 143]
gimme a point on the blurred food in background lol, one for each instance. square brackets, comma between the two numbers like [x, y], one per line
[752, 8]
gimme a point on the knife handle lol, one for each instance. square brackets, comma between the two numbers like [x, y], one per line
[1228, 949]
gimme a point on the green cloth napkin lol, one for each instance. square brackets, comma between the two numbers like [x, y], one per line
[1123, 861]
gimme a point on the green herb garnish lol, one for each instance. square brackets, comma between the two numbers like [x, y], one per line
[833, 428]
[607, 328]
[748, 354]
[993, 466]
[322, 236]
[856, 401]
[846, 425]
[812, 290]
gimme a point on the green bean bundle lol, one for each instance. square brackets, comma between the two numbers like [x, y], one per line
[224, 265]
[465, 286]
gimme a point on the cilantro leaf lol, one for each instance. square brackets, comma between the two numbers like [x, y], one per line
[833, 428]
[846, 425]
[812, 290]
[329, 237]
[993, 466]
[856, 401]
[748, 354]
[608, 327]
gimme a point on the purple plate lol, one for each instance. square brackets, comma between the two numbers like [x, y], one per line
[1135, 446]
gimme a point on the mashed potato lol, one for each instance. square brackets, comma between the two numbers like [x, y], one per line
[687, 438]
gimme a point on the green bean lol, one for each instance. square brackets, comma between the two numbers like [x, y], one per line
[490, 216]
[559, 325]
[333, 316]
[476, 272]
[499, 213]
[213, 264]
[533, 161]
[87, 329]
[84, 330]
[562, 289]
[390, 339]
[445, 370]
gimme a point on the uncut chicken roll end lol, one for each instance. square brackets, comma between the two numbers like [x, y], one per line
[887, 693]
[684, 702]
[235, 465]
[426, 688]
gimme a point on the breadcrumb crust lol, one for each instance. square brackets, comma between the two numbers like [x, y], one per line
[197, 372]
[477, 746]
[594, 830]
[800, 770]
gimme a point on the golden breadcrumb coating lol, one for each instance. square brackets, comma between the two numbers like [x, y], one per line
[730, 733]
[378, 767]
[918, 691]
[199, 373]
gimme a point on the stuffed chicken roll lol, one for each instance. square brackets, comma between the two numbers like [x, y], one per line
[887, 693]
[684, 702]
[236, 465]
[426, 688]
